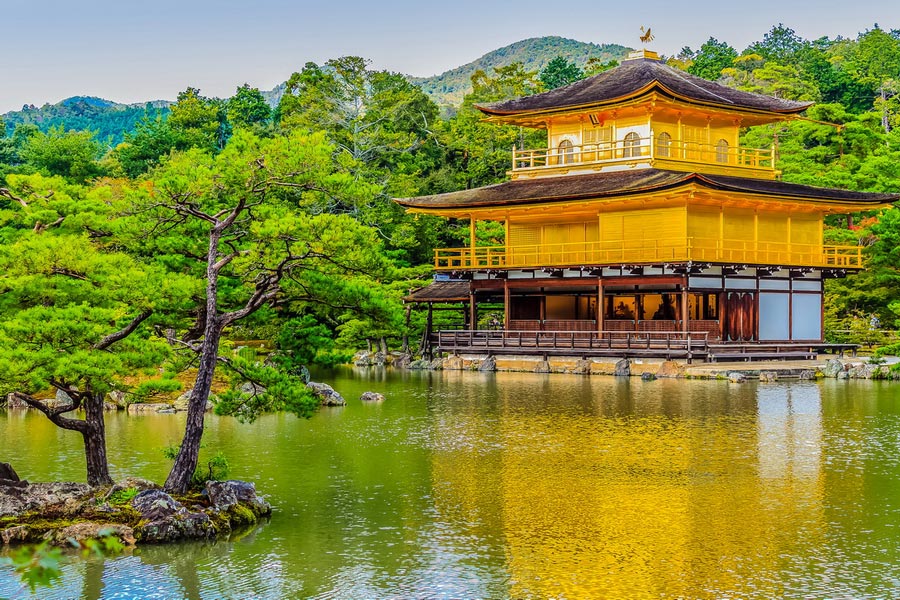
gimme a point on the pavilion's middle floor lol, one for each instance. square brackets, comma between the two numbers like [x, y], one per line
[727, 303]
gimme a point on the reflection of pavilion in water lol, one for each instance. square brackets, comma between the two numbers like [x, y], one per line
[649, 493]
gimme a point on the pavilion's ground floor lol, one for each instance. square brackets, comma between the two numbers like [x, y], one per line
[685, 310]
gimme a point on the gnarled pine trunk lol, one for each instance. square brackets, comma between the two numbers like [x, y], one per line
[92, 428]
[94, 434]
[186, 462]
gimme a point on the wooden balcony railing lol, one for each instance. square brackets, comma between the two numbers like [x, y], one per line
[643, 148]
[625, 343]
[648, 252]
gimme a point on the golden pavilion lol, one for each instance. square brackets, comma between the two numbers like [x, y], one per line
[644, 227]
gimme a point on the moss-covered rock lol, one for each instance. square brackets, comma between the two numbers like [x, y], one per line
[134, 511]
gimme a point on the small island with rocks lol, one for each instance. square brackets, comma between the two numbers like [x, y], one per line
[135, 511]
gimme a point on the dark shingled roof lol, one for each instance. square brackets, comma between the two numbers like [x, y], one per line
[441, 291]
[634, 75]
[622, 183]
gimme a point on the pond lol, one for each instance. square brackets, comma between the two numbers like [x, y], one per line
[484, 485]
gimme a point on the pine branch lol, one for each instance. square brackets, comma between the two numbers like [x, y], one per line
[122, 333]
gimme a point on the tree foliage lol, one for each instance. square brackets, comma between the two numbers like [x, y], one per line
[560, 72]
[711, 59]
[73, 314]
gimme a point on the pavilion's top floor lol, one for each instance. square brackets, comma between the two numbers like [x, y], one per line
[643, 113]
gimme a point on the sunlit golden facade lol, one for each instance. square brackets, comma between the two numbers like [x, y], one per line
[645, 213]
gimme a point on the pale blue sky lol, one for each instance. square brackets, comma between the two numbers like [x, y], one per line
[131, 51]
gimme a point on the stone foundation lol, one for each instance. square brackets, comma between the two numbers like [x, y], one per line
[770, 371]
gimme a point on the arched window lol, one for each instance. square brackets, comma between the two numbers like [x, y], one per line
[566, 152]
[722, 151]
[632, 145]
[663, 143]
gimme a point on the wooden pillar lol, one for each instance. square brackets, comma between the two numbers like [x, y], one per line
[473, 312]
[429, 326]
[685, 313]
[472, 240]
[723, 316]
[600, 308]
[506, 306]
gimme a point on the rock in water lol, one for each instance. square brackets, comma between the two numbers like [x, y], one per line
[647, 376]
[13, 401]
[833, 366]
[7, 473]
[542, 367]
[155, 407]
[401, 361]
[768, 376]
[165, 519]
[120, 399]
[582, 367]
[454, 363]
[326, 394]
[623, 368]
[182, 402]
[225, 494]
[372, 397]
[60, 400]
[736, 377]
[670, 369]
[488, 364]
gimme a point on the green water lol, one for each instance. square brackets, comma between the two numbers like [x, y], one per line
[470, 485]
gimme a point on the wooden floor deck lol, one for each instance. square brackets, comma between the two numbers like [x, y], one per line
[625, 344]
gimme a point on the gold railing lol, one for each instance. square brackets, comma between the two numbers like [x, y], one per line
[642, 148]
[648, 251]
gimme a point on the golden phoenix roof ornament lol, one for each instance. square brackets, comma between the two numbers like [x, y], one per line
[647, 37]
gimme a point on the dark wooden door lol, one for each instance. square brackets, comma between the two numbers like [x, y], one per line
[740, 317]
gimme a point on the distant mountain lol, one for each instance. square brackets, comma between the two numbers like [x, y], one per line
[273, 96]
[110, 120]
[449, 87]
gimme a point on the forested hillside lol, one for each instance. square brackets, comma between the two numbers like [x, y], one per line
[366, 136]
[109, 121]
[533, 54]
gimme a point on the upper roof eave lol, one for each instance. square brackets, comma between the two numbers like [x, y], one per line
[650, 88]
[635, 77]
